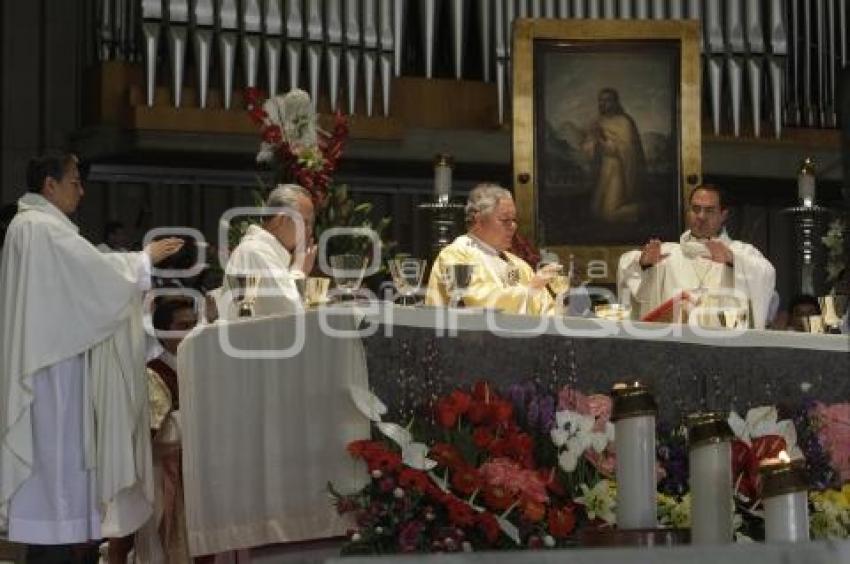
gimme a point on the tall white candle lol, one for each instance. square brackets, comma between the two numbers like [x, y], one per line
[806, 183]
[785, 497]
[786, 517]
[634, 441]
[710, 458]
[443, 178]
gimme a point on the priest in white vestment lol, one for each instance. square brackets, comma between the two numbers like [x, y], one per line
[271, 256]
[75, 461]
[704, 260]
[500, 279]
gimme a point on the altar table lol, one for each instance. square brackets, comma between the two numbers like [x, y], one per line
[263, 432]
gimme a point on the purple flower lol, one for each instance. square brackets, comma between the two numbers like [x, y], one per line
[547, 413]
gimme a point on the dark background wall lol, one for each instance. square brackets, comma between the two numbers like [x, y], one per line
[46, 46]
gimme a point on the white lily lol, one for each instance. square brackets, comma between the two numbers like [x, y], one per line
[368, 403]
[599, 501]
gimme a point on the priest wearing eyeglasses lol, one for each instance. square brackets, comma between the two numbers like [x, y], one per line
[499, 279]
[705, 259]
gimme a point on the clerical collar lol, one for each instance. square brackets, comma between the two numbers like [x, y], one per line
[687, 237]
[487, 249]
[31, 201]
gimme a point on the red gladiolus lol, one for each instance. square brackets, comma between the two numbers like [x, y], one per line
[497, 498]
[489, 526]
[466, 479]
[562, 522]
[272, 134]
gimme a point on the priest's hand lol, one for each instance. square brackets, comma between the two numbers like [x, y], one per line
[720, 252]
[651, 254]
[305, 261]
[545, 275]
[163, 248]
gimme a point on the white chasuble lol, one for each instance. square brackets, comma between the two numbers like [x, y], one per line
[688, 268]
[261, 256]
[75, 460]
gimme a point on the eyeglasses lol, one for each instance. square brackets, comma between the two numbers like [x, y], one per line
[507, 221]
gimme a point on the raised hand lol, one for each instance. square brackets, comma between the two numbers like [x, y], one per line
[651, 254]
[163, 248]
[720, 252]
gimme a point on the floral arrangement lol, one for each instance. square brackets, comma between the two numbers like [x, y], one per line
[291, 138]
[834, 243]
[301, 152]
[484, 470]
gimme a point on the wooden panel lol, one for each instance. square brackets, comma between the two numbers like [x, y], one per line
[444, 103]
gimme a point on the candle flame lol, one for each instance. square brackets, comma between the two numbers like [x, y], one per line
[783, 457]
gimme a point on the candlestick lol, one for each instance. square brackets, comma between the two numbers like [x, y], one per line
[806, 182]
[785, 497]
[443, 177]
[710, 458]
[634, 439]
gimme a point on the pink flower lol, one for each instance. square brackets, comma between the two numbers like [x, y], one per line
[596, 405]
[834, 434]
[505, 473]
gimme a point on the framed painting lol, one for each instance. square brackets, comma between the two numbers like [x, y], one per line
[606, 134]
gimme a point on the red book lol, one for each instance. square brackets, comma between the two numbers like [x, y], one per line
[670, 311]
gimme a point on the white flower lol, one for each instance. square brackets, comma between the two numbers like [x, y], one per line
[398, 493]
[548, 541]
[761, 421]
[599, 501]
[573, 435]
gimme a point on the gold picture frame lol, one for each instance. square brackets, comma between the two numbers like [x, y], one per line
[554, 61]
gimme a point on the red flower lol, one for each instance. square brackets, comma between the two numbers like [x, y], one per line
[461, 400]
[498, 498]
[385, 461]
[362, 448]
[553, 484]
[446, 455]
[482, 391]
[466, 479]
[460, 513]
[501, 411]
[447, 413]
[533, 511]
[524, 249]
[478, 412]
[746, 459]
[482, 437]
[562, 522]
[410, 478]
[272, 134]
[489, 526]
